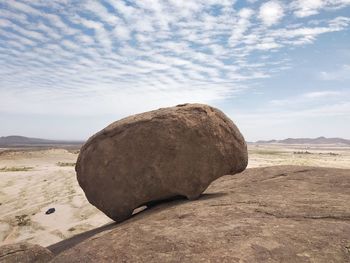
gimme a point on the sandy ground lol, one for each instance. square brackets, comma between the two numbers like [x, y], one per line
[310, 155]
[25, 196]
[32, 181]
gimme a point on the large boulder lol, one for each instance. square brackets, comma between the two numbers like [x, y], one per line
[276, 214]
[24, 253]
[157, 155]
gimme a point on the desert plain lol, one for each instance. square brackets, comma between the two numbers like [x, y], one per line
[33, 180]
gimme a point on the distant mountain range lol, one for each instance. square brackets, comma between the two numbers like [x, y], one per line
[21, 141]
[319, 140]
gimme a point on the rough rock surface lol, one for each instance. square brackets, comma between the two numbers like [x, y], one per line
[273, 214]
[157, 155]
[24, 253]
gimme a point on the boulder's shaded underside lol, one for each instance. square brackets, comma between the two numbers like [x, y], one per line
[274, 214]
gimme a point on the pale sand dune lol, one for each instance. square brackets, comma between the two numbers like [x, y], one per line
[30, 193]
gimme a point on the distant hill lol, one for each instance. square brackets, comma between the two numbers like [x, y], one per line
[21, 141]
[319, 140]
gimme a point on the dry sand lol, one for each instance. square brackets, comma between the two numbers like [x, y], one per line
[33, 182]
[25, 196]
[333, 156]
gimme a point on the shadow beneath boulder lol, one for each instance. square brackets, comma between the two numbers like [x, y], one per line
[138, 214]
[163, 201]
[208, 196]
[202, 197]
[70, 242]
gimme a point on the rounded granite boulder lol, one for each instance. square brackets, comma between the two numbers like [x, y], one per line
[156, 155]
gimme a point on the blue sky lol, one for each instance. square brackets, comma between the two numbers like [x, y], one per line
[277, 68]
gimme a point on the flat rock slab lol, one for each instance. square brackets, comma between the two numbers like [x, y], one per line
[24, 253]
[273, 214]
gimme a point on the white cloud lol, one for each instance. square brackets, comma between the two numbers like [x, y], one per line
[98, 9]
[25, 8]
[304, 8]
[166, 52]
[70, 44]
[307, 7]
[125, 10]
[321, 94]
[305, 35]
[241, 26]
[122, 32]
[342, 73]
[309, 114]
[271, 12]
[31, 34]
[306, 99]
[102, 35]
[57, 22]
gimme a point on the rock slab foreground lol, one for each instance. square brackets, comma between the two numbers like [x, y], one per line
[24, 253]
[288, 214]
[144, 158]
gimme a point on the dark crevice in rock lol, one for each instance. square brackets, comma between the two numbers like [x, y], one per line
[347, 249]
[275, 176]
[302, 171]
[182, 105]
[12, 252]
[286, 174]
[221, 205]
[300, 217]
